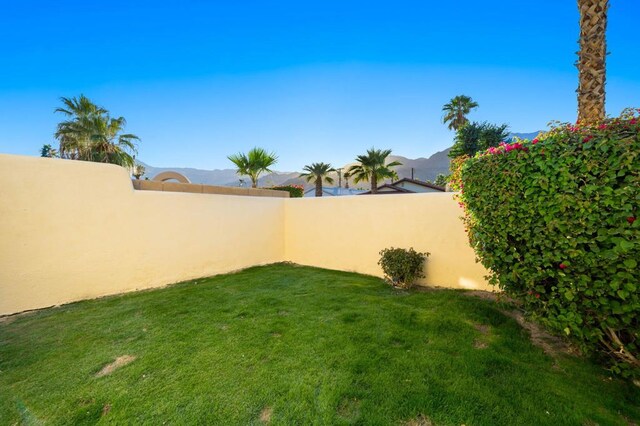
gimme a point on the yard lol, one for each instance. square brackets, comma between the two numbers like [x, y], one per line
[283, 344]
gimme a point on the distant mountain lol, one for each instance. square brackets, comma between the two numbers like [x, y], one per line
[423, 169]
[220, 177]
[209, 177]
[420, 168]
[529, 136]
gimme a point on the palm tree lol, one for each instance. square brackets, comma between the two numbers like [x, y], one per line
[48, 151]
[91, 134]
[592, 60]
[347, 175]
[317, 172]
[372, 168]
[73, 137]
[138, 170]
[254, 163]
[455, 112]
[108, 143]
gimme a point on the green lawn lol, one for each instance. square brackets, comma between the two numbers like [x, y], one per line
[295, 345]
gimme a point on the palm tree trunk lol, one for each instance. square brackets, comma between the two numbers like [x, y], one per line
[319, 187]
[254, 182]
[592, 60]
[374, 183]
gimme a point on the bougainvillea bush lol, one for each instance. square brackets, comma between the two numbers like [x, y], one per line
[554, 220]
[295, 191]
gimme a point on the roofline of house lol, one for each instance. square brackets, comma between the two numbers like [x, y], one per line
[396, 189]
[421, 183]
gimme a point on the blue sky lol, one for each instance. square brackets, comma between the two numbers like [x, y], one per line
[313, 81]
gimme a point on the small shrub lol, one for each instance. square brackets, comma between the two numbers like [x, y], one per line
[402, 267]
[295, 191]
[554, 220]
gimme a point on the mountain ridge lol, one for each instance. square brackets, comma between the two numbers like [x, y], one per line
[422, 168]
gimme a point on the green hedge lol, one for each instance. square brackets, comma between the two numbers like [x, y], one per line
[554, 221]
[295, 191]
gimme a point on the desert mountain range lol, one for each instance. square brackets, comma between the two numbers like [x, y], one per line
[425, 169]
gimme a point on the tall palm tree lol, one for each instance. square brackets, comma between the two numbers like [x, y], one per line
[254, 163]
[318, 172]
[91, 134]
[372, 168]
[456, 111]
[592, 60]
[72, 134]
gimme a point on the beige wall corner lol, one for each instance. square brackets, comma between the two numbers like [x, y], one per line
[347, 233]
[74, 230]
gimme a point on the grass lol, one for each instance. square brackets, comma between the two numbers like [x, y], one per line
[283, 344]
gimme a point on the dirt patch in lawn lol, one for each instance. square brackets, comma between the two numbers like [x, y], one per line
[550, 344]
[106, 409]
[486, 295]
[121, 361]
[349, 408]
[479, 344]
[484, 330]
[421, 420]
[265, 414]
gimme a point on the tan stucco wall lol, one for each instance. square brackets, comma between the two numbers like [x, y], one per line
[71, 230]
[347, 233]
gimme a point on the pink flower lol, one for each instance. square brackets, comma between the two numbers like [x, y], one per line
[633, 121]
[535, 141]
[537, 296]
[562, 266]
[631, 219]
[587, 138]
[514, 146]
[602, 126]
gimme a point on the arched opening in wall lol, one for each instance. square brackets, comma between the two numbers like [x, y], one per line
[171, 176]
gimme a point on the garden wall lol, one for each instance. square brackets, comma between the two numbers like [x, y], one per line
[72, 230]
[347, 233]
